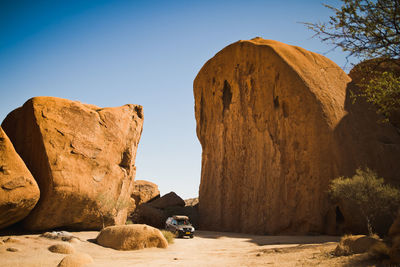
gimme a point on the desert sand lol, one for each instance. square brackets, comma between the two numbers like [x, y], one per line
[205, 249]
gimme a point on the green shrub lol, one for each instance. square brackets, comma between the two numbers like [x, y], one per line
[169, 236]
[368, 194]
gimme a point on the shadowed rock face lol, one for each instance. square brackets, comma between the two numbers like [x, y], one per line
[82, 156]
[19, 191]
[271, 119]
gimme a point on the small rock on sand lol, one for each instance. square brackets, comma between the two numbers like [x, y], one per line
[13, 249]
[11, 240]
[62, 248]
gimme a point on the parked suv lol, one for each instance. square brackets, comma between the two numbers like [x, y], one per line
[179, 225]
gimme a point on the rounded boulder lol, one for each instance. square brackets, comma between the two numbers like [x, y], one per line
[131, 237]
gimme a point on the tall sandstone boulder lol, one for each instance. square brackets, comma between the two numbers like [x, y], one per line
[276, 125]
[19, 191]
[83, 158]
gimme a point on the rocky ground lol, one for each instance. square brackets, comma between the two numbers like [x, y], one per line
[206, 249]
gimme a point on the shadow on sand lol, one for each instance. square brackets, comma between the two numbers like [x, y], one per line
[262, 240]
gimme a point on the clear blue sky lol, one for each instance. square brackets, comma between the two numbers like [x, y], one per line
[110, 53]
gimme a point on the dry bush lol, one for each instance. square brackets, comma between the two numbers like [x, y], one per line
[368, 194]
[169, 236]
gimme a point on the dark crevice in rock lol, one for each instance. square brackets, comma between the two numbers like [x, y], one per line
[139, 111]
[226, 96]
[339, 216]
[276, 102]
[126, 160]
[285, 109]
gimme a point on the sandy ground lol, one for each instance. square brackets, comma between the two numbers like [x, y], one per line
[205, 249]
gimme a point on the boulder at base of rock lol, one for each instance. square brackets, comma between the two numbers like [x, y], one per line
[276, 126]
[83, 158]
[131, 237]
[75, 260]
[19, 191]
[143, 192]
[356, 244]
[169, 200]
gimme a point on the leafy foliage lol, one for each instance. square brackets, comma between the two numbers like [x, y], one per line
[369, 194]
[383, 91]
[368, 30]
[364, 28]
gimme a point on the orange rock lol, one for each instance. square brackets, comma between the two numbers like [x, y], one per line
[131, 237]
[82, 156]
[143, 192]
[19, 191]
[275, 125]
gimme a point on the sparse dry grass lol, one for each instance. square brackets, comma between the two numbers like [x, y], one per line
[169, 236]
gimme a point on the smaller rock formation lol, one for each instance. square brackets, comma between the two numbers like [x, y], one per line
[169, 200]
[62, 248]
[156, 212]
[192, 202]
[143, 192]
[19, 191]
[131, 237]
[76, 260]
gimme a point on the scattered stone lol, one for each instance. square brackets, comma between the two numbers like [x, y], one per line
[11, 240]
[62, 248]
[75, 260]
[19, 191]
[131, 237]
[62, 235]
[83, 157]
[11, 249]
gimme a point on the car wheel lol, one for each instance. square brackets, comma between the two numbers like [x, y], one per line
[191, 236]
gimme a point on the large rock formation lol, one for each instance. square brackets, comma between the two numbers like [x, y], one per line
[83, 158]
[19, 191]
[276, 125]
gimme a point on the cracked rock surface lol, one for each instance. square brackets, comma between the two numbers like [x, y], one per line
[276, 124]
[82, 157]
